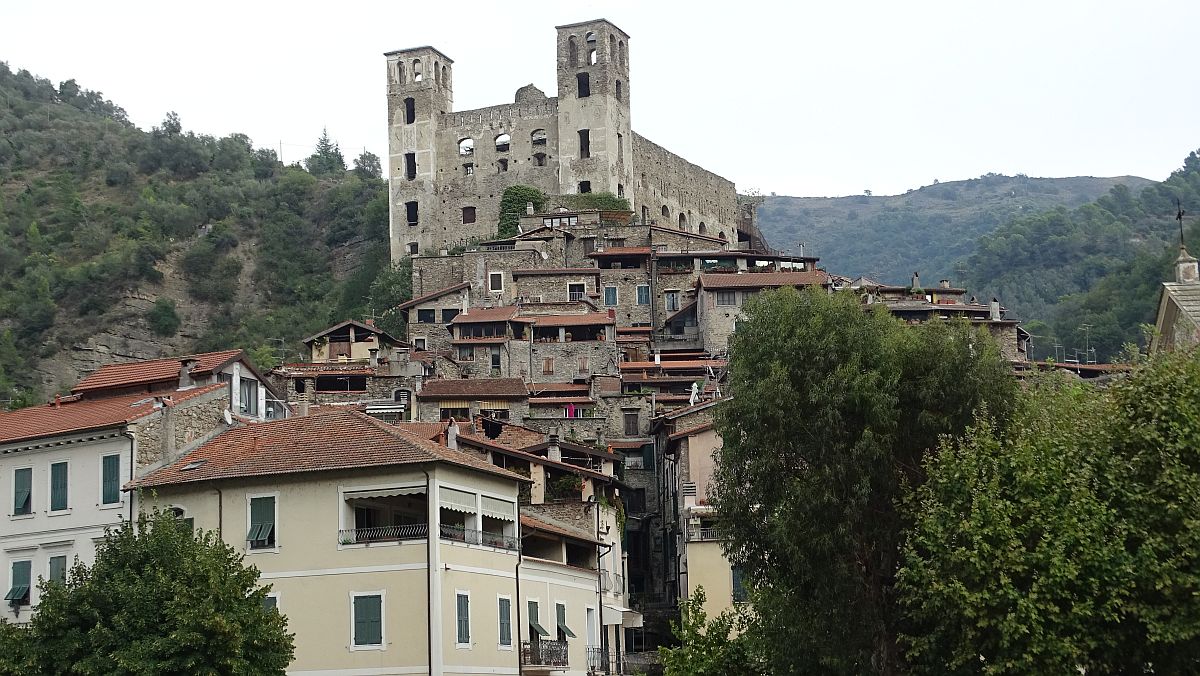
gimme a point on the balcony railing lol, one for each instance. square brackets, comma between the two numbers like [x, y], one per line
[544, 653]
[351, 536]
[576, 295]
[602, 661]
[702, 534]
[476, 537]
[612, 582]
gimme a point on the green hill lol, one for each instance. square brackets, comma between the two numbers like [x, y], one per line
[117, 242]
[930, 230]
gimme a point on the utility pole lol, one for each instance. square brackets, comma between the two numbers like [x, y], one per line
[1086, 340]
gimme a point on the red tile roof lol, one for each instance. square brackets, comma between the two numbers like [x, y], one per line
[672, 365]
[481, 441]
[495, 340]
[330, 441]
[691, 431]
[130, 374]
[425, 430]
[538, 388]
[357, 324]
[76, 414]
[430, 296]
[589, 319]
[526, 272]
[534, 523]
[547, 401]
[635, 329]
[486, 388]
[622, 251]
[758, 280]
[477, 315]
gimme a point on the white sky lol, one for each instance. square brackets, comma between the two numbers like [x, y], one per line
[798, 98]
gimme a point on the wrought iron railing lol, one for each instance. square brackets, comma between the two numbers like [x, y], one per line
[700, 534]
[600, 660]
[544, 653]
[476, 537]
[415, 531]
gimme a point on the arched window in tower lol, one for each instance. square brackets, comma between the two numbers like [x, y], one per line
[416, 67]
[666, 213]
[538, 137]
[437, 72]
[572, 51]
[721, 236]
[583, 84]
[621, 53]
[445, 76]
[612, 48]
[590, 39]
[591, 57]
[400, 72]
[620, 190]
[645, 215]
[619, 94]
[682, 221]
[502, 143]
[539, 159]
[466, 147]
[410, 110]
[702, 228]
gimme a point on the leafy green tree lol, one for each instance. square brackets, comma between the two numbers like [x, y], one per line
[160, 599]
[834, 412]
[605, 201]
[327, 159]
[1011, 565]
[714, 646]
[16, 657]
[513, 203]
[392, 287]
[162, 317]
[367, 165]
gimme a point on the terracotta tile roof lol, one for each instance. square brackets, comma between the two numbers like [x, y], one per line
[672, 365]
[671, 415]
[425, 430]
[357, 324]
[496, 340]
[758, 280]
[538, 388]
[130, 374]
[331, 441]
[509, 434]
[480, 441]
[430, 296]
[621, 251]
[635, 329]
[542, 524]
[690, 307]
[549, 401]
[76, 414]
[565, 445]
[527, 272]
[629, 444]
[466, 388]
[589, 319]
[691, 431]
[477, 315]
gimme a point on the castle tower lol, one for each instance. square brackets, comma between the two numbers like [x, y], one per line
[419, 92]
[595, 141]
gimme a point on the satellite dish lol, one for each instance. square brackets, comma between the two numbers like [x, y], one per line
[227, 416]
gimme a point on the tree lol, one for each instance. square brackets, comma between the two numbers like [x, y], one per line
[367, 165]
[160, 599]
[392, 287]
[162, 317]
[709, 647]
[513, 203]
[834, 411]
[1011, 566]
[327, 159]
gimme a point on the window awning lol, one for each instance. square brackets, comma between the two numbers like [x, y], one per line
[17, 593]
[622, 616]
[384, 492]
[454, 403]
[537, 628]
[493, 405]
[566, 630]
[498, 509]
[456, 500]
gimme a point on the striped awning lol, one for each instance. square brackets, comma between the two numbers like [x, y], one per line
[456, 500]
[498, 509]
[493, 404]
[454, 403]
[384, 492]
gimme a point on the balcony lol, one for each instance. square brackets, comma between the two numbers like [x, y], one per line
[614, 583]
[353, 536]
[477, 537]
[702, 534]
[601, 661]
[544, 653]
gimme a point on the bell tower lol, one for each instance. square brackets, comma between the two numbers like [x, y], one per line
[419, 92]
[595, 141]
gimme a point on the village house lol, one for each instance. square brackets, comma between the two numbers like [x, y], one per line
[1177, 324]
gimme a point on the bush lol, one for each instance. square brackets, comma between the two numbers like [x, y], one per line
[162, 317]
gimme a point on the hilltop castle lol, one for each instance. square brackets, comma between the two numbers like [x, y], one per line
[449, 168]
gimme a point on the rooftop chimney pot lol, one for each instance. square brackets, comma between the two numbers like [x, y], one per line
[1186, 270]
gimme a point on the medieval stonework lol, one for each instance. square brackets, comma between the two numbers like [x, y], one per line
[448, 168]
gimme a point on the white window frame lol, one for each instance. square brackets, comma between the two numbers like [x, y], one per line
[513, 637]
[100, 504]
[492, 288]
[467, 645]
[732, 296]
[616, 296]
[638, 293]
[12, 495]
[49, 559]
[262, 550]
[50, 511]
[424, 343]
[382, 620]
[275, 595]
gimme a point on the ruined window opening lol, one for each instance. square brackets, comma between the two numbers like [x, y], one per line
[300, 385]
[621, 52]
[468, 215]
[445, 76]
[682, 222]
[410, 166]
[539, 159]
[721, 235]
[590, 38]
[585, 143]
[618, 90]
[585, 186]
[620, 190]
[466, 147]
[437, 72]
[426, 316]
[666, 213]
[416, 68]
[572, 51]
[400, 72]
[620, 148]
[341, 384]
[584, 85]
[410, 211]
[591, 57]
[412, 248]
[410, 110]
[645, 215]
[468, 169]
[538, 137]
[612, 47]
[502, 143]
[703, 228]
[502, 165]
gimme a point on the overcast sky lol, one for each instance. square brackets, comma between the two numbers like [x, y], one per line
[798, 98]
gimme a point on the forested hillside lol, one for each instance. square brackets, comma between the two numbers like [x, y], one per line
[1100, 265]
[930, 229]
[116, 242]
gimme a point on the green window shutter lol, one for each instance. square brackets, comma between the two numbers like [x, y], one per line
[368, 620]
[58, 486]
[464, 618]
[111, 480]
[19, 593]
[262, 522]
[561, 617]
[505, 622]
[23, 487]
[58, 569]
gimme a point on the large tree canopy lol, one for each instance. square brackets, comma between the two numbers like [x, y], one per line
[835, 409]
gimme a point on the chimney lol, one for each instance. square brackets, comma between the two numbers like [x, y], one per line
[916, 281]
[529, 208]
[553, 452]
[168, 430]
[374, 358]
[452, 435]
[58, 401]
[1186, 271]
[465, 305]
[994, 310]
[369, 322]
[612, 313]
[945, 284]
[185, 372]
